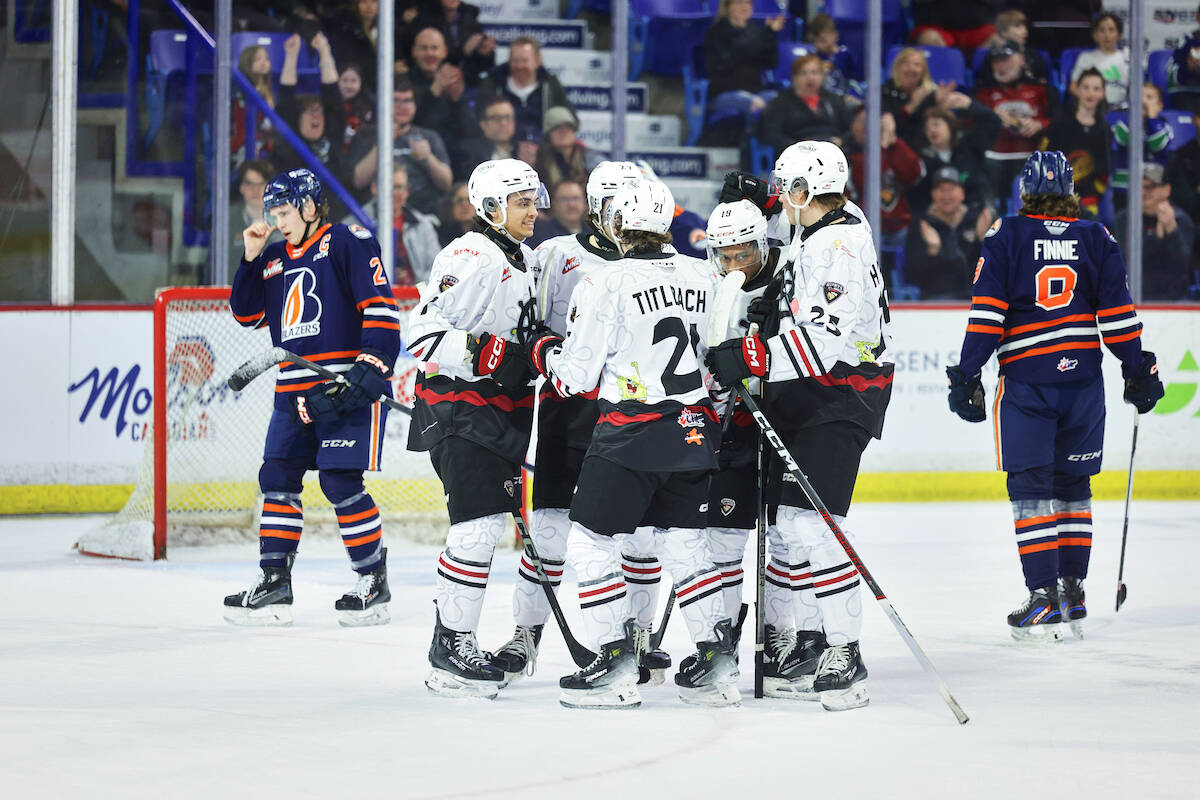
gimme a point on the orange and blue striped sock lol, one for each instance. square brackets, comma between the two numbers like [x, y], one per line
[279, 528]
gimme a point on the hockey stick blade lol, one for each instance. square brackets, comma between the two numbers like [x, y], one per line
[717, 329]
[243, 375]
[657, 637]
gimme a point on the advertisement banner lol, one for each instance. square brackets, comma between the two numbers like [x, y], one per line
[569, 34]
[598, 97]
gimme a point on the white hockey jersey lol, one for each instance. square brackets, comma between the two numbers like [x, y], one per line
[561, 263]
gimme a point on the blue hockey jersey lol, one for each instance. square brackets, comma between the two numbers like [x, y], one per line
[1047, 290]
[326, 299]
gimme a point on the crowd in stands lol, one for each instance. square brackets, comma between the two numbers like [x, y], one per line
[950, 149]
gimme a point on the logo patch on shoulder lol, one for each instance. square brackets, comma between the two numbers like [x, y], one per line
[274, 267]
[833, 291]
[360, 231]
[1111, 238]
[447, 282]
[992, 231]
[978, 269]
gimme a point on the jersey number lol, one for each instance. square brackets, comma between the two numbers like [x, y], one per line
[672, 328]
[1055, 286]
[380, 278]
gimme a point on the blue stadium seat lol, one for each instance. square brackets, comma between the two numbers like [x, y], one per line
[663, 32]
[851, 19]
[1066, 64]
[1182, 129]
[762, 158]
[945, 64]
[1156, 68]
[789, 52]
[167, 57]
[900, 289]
[695, 93]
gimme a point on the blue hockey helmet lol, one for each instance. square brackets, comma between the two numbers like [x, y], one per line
[293, 187]
[1047, 172]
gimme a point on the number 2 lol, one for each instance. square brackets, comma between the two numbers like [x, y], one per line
[1055, 286]
[672, 328]
[380, 278]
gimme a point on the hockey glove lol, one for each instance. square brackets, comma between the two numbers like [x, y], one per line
[536, 337]
[734, 360]
[966, 395]
[1144, 389]
[366, 382]
[739, 185]
[318, 402]
[763, 310]
[501, 360]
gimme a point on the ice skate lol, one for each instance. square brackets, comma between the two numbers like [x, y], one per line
[519, 655]
[709, 676]
[1038, 620]
[367, 603]
[268, 603]
[610, 681]
[841, 680]
[790, 663]
[458, 668]
[1073, 609]
[652, 664]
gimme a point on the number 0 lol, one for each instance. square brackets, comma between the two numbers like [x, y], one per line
[1055, 286]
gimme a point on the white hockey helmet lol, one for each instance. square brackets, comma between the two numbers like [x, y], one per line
[605, 180]
[733, 224]
[821, 165]
[643, 206]
[492, 182]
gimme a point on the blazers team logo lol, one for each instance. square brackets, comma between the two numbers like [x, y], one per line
[301, 306]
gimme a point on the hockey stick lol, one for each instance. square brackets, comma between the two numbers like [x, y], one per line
[657, 637]
[1125, 530]
[772, 437]
[243, 375]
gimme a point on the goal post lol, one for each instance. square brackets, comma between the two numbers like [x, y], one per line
[198, 482]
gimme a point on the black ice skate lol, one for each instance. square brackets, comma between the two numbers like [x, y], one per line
[790, 662]
[268, 602]
[1073, 609]
[458, 668]
[519, 656]
[709, 676]
[1039, 619]
[610, 681]
[652, 664]
[841, 681]
[367, 603]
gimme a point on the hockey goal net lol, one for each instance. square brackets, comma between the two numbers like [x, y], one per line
[198, 482]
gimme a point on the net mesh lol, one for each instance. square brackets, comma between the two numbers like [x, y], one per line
[215, 443]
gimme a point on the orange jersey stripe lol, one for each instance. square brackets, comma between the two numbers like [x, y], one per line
[1054, 348]
[251, 317]
[1125, 337]
[296, 387]
[1030, 521]
[1112, 312]
[391, 301]
[989, 301]
[1074, 542]
[1037, 548]
[278, 507]
[1074, 515]
[1036, 326]
[996, 423]
[985, 329]
[276, 533]
[370, 537]
[358, 516]
[395, 326]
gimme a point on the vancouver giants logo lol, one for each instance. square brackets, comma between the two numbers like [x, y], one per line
[301, 307]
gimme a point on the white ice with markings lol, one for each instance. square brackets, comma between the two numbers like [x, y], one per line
[120, 679]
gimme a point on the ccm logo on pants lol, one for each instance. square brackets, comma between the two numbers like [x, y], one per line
[1084, 456]
[352, 442]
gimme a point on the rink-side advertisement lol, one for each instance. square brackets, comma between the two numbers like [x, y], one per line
[83, 413]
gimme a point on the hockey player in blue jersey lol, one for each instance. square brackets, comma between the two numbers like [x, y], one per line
[324, 295]
[1048, 288]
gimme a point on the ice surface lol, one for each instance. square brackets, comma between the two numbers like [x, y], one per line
[120, 679]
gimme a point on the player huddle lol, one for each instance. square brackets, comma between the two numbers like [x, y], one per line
[630, 358]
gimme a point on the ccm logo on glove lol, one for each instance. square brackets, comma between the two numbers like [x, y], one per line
[755, 355]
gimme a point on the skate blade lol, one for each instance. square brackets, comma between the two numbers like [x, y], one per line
[616, 696]
[1038, 634]
[713, 695]
[1076, 628]
[651, 677]
[275, 616]
[445, 684]
[854, 696]
[798, 689]
[510, 678]
[375, 615]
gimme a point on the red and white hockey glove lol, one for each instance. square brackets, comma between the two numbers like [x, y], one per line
[734, 360]
[501, 360]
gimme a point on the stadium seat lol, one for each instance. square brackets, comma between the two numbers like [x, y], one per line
[695, 94]
[945, 64]
[851, 19]
[900, 290]
[762, 158]
[1182, 129]
[307, 64]
[789, 52]
[167, 57]
[1066, 64]
[663, 32]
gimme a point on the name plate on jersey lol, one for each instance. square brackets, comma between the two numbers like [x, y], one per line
[569, 33]
[600, 98]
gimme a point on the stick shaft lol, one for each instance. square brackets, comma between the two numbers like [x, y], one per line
[1128, 498]
[325, 372]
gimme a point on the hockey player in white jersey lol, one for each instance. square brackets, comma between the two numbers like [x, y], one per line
[633, 331]
[565, 426]
[474, 405]
[829, 377]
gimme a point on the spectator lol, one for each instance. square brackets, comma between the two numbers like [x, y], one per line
[900, 169]
[457, 215]
[416, 234]
[1012, 24]
[965, 24]
[1183, 72]
[737, 50]
[318, 121]
[1167, 236]
[1184, 174]
[528, 86]
[358, 103]
[822, 33]
[469, 47]
[1025, 106]
[944, 243]
[254, 62]
[1156, 139]
[947, 145]
[562, 156]
[252, 177]
[1082, 135]
[356, 34]
[568, 205]
[420, 150]
[498, 121]
[439, 87]
[808, 111]
[1111, 63]
[910, 92]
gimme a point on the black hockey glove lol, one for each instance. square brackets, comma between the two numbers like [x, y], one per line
[318, 403]
[966, 395]
[501, 359]
[366, 382]
[536, 337]
[763, 310]
[734, 360]
[740, 185]
[1144, 389]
